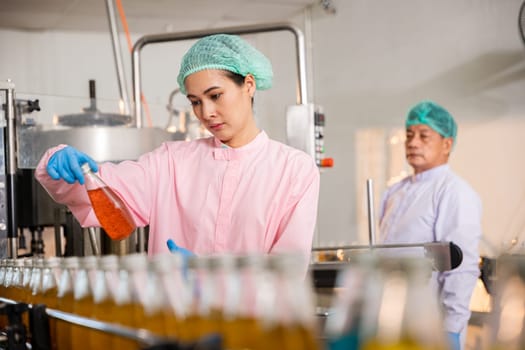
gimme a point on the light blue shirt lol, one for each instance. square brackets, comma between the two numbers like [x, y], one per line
[437, 205]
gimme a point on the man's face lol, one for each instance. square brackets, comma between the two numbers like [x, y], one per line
[425, 148]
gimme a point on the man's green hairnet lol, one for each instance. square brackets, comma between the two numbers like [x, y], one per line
[435, 116]
[226, 52]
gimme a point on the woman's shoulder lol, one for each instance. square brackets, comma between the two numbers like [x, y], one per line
[289, 154]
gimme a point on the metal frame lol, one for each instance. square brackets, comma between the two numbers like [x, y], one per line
[302, 94]
[10, 167]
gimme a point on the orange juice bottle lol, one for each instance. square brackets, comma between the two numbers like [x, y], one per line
[128, 309]
[157, 308]
[103, 291]
[199, 322]
[83, 301]
[49, 290]
[3, 294]
[225, 298]
[36, 281]
[293, 324]
[110, 209]
[246, 329]
[404, 307]
[8, 278]
[16, 281]
[65, 297]
[179, 297]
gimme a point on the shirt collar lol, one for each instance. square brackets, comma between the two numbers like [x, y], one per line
[430, 173]
[228, 153]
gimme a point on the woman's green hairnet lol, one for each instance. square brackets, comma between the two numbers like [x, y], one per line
[227, 52]
[435, 116]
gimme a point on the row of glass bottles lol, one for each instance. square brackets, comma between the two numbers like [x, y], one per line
[254, 302]
[385, 303]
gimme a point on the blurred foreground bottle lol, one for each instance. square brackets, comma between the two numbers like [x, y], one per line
[111, 211]
[386, 303]
[507, 322]
[104, 288]
[69, 267]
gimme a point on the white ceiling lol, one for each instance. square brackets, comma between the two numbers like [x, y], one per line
[145, 16]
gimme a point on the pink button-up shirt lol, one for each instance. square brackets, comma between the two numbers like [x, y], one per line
[209, 198]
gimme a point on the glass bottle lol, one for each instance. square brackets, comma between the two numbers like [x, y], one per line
[49, 291]
[111, 211]
[103, 290]
[8, 278]
[3, 290]
[83, 301]
[156, 302]
[405, 313]
[225, 301]
[65, 300]
[507, 320]
[296, 326]
[179, 297]
[253, 287]
[127, 309]
[16, 281]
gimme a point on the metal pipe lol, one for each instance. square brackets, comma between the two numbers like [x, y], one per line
[393, 245]
[93, 240]
[371, 217]
[302, 94]
[117, 52]
[10, 169]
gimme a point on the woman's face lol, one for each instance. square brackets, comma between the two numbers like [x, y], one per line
[222, 106]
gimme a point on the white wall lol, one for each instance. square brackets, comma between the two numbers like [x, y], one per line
[371, 62]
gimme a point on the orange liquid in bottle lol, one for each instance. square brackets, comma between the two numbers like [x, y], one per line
[112, 217]
[49, 298]
[129, 315]
[80, 336]
[63, 329]
[101, 312]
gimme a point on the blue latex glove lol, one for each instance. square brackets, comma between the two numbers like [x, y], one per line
[176, 249]
[453, 341]
[65, 164]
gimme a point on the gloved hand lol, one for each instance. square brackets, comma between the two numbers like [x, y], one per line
[453, 341]
[176, 249]
[65, 164]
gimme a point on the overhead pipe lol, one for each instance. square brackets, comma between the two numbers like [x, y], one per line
[117, 53]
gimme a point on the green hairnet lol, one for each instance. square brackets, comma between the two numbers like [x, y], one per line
[227, 52]
[435, 116]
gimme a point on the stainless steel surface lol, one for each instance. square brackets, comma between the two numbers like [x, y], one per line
[438, 252]
[12, 247]
[117, 53]
[94, 118]
[93, 240]
[101, 143]
[300, 128]
[371, 216]
[302, 95]
[141, 240]
[9, 170]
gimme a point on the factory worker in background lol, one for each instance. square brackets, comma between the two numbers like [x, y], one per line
[237, 191]
[434, 204]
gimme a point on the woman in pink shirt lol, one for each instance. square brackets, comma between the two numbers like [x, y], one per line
[237, 191]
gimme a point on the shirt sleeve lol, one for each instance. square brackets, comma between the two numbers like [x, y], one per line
[297, 226]
[459, 221]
